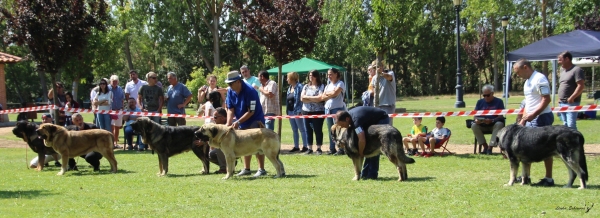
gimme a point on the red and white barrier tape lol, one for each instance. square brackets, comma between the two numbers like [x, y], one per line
[420, 114]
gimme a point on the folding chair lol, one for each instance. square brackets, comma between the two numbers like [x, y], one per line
[443, 144]
[469, 122]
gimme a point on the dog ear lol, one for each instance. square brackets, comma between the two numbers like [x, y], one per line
[214, 131]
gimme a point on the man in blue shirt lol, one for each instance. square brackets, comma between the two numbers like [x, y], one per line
[177, 97]
[243, 104]
[489, 122]
[117, 105]
[359, 119]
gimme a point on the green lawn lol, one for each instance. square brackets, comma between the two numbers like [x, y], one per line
[316, 186]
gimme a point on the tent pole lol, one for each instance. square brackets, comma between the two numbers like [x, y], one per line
[554, 66]
[593, 88]
[507, 74]
[352, 76]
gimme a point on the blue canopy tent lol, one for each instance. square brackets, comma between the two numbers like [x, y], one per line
[581, 44]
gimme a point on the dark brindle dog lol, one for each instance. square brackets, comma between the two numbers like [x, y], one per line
[528, 145]
[167, 141]
[380, 139]
[26, 131]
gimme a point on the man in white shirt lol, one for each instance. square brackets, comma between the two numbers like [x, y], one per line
[537, 110]
[133, 87]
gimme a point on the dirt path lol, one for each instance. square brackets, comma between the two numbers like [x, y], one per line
[590, 149]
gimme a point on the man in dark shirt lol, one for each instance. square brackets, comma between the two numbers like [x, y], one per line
[359, 119]
[571, 85]
[488, 122]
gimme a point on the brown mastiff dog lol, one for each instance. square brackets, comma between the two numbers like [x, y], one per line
[239, 143]
[74, 143]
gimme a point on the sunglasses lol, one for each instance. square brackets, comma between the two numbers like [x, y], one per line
[102, 83]
[487, 95]
[152, 77]
[231, 83]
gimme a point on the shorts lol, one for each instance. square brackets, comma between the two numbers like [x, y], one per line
[118, 122]
[436, 141]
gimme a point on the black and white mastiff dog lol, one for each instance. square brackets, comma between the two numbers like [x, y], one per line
[380, 139]
[528, 145]
[27, 131]
[168, 141]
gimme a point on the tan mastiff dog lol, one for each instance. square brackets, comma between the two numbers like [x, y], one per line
[239, 143]
[75, 143]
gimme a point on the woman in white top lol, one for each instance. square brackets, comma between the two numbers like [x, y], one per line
[334, 101]
[214, 101]
[104, 101]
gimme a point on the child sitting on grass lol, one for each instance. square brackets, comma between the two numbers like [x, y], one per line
[417, 130]
[438, 134]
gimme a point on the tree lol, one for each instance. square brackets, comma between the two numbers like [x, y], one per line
[287, 29]
[53, 31]
[480, 50]
[589, 21]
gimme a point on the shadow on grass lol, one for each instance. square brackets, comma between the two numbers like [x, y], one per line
[132, 152]
[28, 194]
[84, 171]
[410, 179]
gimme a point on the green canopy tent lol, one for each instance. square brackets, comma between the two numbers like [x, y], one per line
[305, 65]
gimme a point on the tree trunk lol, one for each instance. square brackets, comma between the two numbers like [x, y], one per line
[495, 80]
[44, 86]
[76, 87]
[196, 27]
[215, 33]
[55, 100]
[279, 83]
[126, 45]
[544, 34]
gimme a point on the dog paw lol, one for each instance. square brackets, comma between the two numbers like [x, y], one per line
[581, 188]
[60, 173]
[203, 172]
[225, 178]
[356, 178]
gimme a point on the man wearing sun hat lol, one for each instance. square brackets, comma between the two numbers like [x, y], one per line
[243, 104]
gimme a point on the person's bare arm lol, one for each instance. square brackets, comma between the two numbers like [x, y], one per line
[578, 90]
[331, 94]
[538, 111]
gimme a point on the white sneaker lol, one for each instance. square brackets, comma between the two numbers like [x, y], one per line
[244, 172]
[260, 172]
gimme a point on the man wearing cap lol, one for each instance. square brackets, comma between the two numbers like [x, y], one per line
[177, 97]
[151, 96]
[243, 104]
[133, 87]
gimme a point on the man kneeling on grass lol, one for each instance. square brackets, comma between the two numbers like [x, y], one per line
[359, 119]
[437, 135]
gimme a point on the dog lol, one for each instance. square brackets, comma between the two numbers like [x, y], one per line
[71, 144]
[527, 145]
[379, 139]
[27, 131]
[168, 141]
[239, 143]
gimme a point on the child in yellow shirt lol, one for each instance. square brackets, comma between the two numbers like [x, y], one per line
[415, 131]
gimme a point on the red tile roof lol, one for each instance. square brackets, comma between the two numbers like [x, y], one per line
[7, 58]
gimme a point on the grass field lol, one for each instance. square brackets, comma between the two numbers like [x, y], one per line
[462, 185]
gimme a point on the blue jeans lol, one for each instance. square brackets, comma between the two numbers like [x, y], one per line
[270, 124]
[129, 136]
[569, 119]
[545, 119]
[371, 165]
[316, 125]
[330, 123]
[298, 124]
[103, 121]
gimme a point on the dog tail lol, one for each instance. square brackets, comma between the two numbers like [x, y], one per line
[582, 161]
